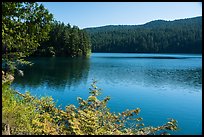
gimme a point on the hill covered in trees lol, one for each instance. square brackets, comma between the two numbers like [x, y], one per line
[159, 36]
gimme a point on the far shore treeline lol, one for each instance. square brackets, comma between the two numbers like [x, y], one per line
[159, 36]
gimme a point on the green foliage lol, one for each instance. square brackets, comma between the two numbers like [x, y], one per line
[16, 112]
[179, 36]
[26, 114]
[65, 41]
[24, 25]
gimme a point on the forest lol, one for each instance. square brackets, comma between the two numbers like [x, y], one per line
[65, 40]
[159, 36]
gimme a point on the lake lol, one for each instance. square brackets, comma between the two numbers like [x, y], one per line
[162, 85]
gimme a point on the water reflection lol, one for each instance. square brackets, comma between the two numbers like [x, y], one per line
[54, 72]
[154, 73]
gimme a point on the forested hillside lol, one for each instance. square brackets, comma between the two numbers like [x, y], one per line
[159, 36]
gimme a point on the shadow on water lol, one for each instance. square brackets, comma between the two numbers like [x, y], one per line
[55, 71]
[150, 57]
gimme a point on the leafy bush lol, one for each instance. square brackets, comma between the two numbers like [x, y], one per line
[25, 114]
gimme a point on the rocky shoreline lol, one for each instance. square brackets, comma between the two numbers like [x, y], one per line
[6, 77]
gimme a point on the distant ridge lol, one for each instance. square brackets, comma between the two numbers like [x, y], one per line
[198, 18]
[158, 36]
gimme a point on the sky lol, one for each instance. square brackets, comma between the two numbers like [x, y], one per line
[95, 14]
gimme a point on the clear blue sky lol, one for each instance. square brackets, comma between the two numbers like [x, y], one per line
[94, 14]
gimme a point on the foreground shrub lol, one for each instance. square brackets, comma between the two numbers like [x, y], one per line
[25, 114]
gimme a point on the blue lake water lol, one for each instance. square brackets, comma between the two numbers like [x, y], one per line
[162, 85]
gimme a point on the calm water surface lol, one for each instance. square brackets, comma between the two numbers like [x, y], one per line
[162, 85]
